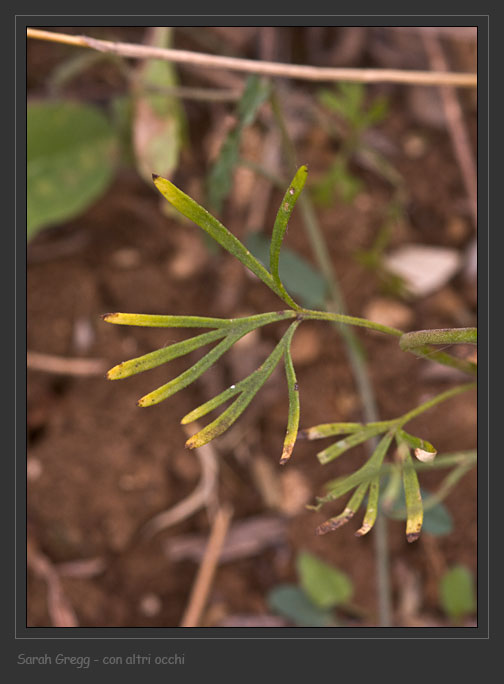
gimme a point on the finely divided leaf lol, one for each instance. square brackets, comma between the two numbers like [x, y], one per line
[192, 210]
[160, 356]
[350, 509]
[413, 498]
[354, 439]
[190, 375]
[293, 389]
[155, 321]
[372, 507]
[369, 470]
[282, 219]
[249, 388]
[330, 429]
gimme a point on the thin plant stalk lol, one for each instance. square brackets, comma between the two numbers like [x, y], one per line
[298, 71]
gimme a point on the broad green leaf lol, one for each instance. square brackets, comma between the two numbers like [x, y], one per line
[297, 275]
[282, 219]
[160, 356]
[325, 585]
[291, 602]
[350, 509]
[293, 390]
[72, 152]
[349, 442]
[221, 174]
[437, 520]
[372, 507]
[413, 497]
[157, 123]
[456, 592]
[192, 210]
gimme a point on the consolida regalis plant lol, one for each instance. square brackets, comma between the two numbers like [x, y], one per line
[365, 480]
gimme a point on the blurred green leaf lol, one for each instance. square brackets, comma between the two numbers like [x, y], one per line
[291, 602]
[342, 485]
[71, 156]
[157, 123]
[378, 110]
[436, 520]
[337, 181]
[325, 585]
[221, 174]
[298, 276]
[456, 592]
[347, 100]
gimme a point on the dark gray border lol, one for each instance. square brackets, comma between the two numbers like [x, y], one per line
[152, 640]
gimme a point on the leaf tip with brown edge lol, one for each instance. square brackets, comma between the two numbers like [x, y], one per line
[108, 317]
[366, 527]
[412, 537]
[335, 523]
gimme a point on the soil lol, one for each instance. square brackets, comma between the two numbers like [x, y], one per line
[99, 467]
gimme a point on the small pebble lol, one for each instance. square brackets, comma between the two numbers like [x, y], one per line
[414, 146]
[389, 312]
[150, 605]
[33, 469]
[126, 258]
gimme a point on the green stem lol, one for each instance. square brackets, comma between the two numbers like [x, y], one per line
[312, 315]
[400, 422]
[418, 338]
[419, 341]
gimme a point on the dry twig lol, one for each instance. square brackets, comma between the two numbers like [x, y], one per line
[60, 611]
[204, 578]
[455, 123]
[64, 366]
[204, 493]
[303, 72]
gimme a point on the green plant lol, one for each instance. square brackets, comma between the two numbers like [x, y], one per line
[321, 588]
[365, 480]
[72, 151]
[347, 102]
[456, 593]
[74, 148]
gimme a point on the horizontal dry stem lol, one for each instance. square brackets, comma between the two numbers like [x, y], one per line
[303, 72]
